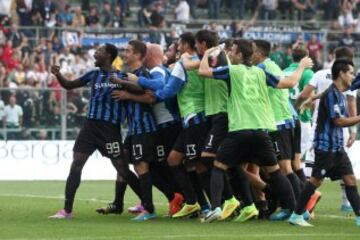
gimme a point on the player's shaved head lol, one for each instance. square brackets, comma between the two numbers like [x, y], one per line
[154, 55]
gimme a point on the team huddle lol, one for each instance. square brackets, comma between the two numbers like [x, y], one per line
[220, 130]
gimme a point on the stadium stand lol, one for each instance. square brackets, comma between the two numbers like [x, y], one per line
[35, 34]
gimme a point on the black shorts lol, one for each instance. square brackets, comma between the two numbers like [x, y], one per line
[165, 140]
[191, 141]
[217, 133]
[283, 144]
[297, 137]
[245, 145]
[141, 147]
[102, 136]
[331, 164]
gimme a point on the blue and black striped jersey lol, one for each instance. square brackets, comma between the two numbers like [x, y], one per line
[102, 106]
[328, 136]
[139, 116]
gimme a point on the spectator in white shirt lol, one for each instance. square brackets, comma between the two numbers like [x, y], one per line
[182, 11]
[12, 118]
[13, 114]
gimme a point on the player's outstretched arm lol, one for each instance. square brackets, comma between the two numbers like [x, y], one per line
[293, 79]
[65, 83]
[346, 122]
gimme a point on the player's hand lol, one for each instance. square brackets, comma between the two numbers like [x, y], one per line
[151, 95]
[120, 95]
[132, 77]
[351, 140]
[305, 105]
[114, 79]
[306, 62]
[55, 69]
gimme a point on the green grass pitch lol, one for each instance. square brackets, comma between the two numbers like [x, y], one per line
[25, 206]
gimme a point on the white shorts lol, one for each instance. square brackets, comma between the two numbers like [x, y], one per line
[306, 138]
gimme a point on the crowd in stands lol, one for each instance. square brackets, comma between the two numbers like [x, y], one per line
[24, 63]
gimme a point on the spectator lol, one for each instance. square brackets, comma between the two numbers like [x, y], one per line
[12, 118]
[28, 110]
[268, 9]
[43, 135]
[47, 11]
[346, 18]
[214, 8]
[79, 19]
[182, 11]
[315, 48]
[310, 10]
[125, 6]
[106, 15]
[66, 58]
[192, 5]
[144, 15]
[18, 75]
[24, 13]
[155, 35]
[347, 40]
[3, 30]
[117, 18]
[331, 8]
[15, 36]
[56, 44]
[300, 6]
[2, 75]
[65, 16]
[93, 19]
[286, 9]
[237, 9]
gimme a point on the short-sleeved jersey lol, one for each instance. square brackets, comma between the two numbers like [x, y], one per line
[140, 116]
[328, 136]
[102, 106]
[295, 91]
[321, 81]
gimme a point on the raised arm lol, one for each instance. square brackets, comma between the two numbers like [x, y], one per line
[293, 79]
[65, 83]
[205, 70]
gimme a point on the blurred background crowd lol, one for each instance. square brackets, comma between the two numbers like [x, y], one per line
[34, 34]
